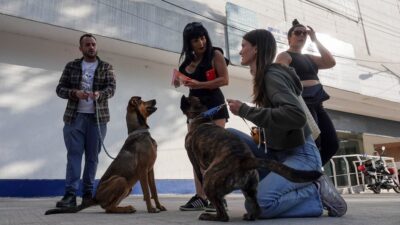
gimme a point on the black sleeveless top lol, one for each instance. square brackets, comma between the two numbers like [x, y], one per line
[213, 97]
[305, 68]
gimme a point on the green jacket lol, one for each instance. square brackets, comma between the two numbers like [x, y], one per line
[281, 116]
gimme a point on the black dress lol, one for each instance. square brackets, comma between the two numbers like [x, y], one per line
[209, 97]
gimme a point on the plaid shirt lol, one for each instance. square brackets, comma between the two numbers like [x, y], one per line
[103, 81]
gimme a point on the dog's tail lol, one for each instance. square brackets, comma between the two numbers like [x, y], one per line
[294, 175]
[71, 209]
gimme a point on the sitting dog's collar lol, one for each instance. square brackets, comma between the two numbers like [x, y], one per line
[138, 132]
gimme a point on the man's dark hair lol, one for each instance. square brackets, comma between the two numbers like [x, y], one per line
[86, 35]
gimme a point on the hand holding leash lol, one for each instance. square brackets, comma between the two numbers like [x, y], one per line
[94, 95]
[81, 94]
[234, 106]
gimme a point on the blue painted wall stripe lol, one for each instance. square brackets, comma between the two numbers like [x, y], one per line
[46, 188]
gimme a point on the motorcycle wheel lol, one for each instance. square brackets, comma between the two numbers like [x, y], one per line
[376, 189]
[396, 187]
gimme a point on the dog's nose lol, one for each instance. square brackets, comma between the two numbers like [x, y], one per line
[153, 102]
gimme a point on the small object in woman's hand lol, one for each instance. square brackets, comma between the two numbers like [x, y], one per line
[178, 78]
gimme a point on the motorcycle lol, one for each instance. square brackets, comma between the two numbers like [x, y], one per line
[378, 176]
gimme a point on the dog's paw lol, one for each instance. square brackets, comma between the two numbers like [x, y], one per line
[249, 217]
[161, 208]
[130, 209]
[207, 216]
[153, 210]
[212, 217]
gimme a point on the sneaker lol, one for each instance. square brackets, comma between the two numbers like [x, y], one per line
[196, 203]
[87, 194]
[330, 197]
[211, 207]
[69, 200]
[87, 198]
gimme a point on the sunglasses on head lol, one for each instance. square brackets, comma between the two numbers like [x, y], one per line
[300, 32]
[192, 26]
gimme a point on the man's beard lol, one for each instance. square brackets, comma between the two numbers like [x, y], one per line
[89, 55]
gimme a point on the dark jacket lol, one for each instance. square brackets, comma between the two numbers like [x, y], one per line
[282, 115]
[103, 81]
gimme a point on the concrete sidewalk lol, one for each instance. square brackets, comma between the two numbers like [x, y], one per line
[364, 209]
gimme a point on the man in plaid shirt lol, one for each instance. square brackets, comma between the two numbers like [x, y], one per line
[87, 83]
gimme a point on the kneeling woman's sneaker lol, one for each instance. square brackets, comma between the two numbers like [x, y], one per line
[330, 197]
[196, 203]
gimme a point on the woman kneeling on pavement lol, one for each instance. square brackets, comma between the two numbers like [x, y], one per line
[280, 114]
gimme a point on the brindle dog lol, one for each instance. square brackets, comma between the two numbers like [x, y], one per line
[227, 162]
[133, 163]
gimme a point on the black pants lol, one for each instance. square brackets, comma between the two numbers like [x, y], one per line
[327, 142]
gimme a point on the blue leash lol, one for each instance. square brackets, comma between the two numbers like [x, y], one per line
[211, 112]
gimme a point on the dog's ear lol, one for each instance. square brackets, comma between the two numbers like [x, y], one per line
[195, 101]
[135, 100]
[185, 104]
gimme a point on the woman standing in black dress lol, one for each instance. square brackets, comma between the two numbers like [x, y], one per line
[206, 67]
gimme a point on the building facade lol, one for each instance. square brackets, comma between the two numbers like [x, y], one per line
[143, 40]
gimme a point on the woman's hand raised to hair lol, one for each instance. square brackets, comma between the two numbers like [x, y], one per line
[311, 33]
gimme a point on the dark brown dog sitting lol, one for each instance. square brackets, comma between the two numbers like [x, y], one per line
[227, 162]
[133, 163]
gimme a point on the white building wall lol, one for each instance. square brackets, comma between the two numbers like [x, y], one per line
[31, 63]
[31, 137]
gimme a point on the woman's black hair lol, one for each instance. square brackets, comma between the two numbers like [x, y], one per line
[266, 52]
[295, 24]
[191, 31]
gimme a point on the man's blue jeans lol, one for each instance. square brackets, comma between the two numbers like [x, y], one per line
[279, 197]
[80, 137]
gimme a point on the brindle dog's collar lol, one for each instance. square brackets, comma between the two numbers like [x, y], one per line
[190, 121]
[138, 132]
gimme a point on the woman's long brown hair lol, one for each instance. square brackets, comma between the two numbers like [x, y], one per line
[266, 51]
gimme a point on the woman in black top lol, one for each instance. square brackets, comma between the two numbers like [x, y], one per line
[207, 69]
[306, 67]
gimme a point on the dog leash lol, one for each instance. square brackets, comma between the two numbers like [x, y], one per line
[99, 131]
[248, 126]
[211, 112]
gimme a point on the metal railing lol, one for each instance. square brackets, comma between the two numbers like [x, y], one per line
[343, 170]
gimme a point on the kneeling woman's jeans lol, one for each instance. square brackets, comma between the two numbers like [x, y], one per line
[279, 197]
